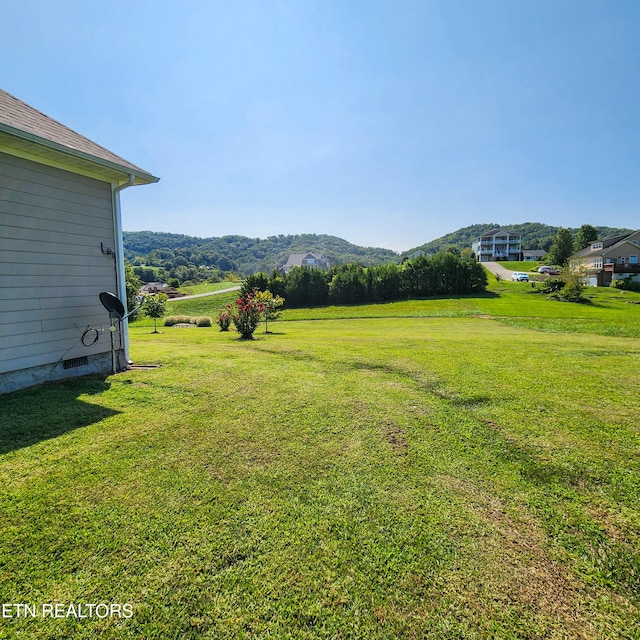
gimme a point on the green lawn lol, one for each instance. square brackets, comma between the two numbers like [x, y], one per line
[522, 265]
[463, 468]
[208, 287]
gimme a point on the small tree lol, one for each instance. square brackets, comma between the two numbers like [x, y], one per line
[573, 289]
[272, 306]
[246, 314]
[133, 284]
[155, 307]
[224, 318]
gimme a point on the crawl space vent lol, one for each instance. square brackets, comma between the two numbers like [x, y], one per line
[75, 362]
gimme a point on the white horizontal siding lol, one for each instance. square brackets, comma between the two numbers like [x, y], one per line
[51, 267]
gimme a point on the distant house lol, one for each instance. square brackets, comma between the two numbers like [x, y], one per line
[533, 255]
[60, 247]
[497, 244]
[308, 259]
[606, 260]
[152, 288]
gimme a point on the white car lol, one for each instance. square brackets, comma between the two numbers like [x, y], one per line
[520, 277]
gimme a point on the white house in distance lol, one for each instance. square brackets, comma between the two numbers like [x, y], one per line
[498, 244]
[60, 247]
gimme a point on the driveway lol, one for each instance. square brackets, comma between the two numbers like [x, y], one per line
[498, 270]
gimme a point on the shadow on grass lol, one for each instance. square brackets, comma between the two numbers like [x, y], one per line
[48, 411]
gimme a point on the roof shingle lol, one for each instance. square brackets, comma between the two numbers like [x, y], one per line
[18, 117]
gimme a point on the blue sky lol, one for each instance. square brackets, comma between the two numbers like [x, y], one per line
[385, 122]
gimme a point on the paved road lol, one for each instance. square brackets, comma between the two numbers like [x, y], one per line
[209, 293]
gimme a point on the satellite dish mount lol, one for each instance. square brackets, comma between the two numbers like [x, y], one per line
[114, 306]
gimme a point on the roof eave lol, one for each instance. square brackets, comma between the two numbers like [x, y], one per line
[112, 170]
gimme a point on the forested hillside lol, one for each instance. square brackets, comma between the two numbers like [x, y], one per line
[535, 235]
[167, 255]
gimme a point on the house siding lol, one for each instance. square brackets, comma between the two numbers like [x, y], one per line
[51, 271]
[497, 244]
[609, 259]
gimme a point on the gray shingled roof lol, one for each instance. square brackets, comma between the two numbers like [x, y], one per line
[26, 127]
[607, 243]
[496, 230]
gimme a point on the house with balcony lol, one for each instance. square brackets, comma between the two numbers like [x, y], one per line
[498, 244]
[609, 259]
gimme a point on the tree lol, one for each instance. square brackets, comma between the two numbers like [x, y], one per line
[256, 281]
[306, 287]
[585, 236]
[272, 306]
[133, 284]
[561, 248]
[155, 307]
[348, 285]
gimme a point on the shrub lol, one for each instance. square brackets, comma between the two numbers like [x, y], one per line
[571, 292]
[626, 284]
[204, 321]
[155, 307]
[224, 318]
[553, 285]
[169, 321]
[246, 314]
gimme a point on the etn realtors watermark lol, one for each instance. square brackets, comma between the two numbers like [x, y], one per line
[66, 610]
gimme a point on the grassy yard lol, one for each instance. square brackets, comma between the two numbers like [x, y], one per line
[521, 265]
[196, 289]
[462, 468]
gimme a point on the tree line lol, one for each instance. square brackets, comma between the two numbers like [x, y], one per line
[164, 256]
[565, 243]
[445, 273]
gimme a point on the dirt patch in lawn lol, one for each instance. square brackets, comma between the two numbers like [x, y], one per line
[524, 574]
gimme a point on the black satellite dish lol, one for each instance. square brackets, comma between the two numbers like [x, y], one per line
[112, 304]
[115, 308]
